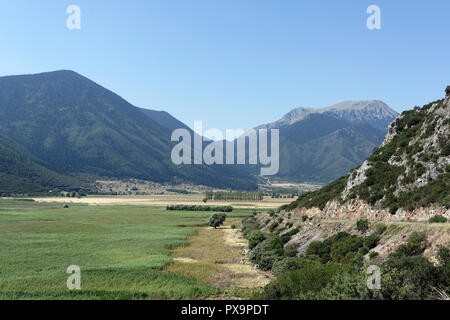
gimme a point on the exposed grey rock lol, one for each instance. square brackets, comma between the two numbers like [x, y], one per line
[356, 179]
[374, 112]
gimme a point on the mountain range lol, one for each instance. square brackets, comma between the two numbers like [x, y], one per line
[74, 127]
[319, 145]
[62, 130]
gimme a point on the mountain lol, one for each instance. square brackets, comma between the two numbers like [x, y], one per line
[321, 145]
[365, 112]
[410, 170]
[21, 173]
[165, 119]
[77, 127]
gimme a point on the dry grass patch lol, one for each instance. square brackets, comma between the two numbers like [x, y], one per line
[218, 257]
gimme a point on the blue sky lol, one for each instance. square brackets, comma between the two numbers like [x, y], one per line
[236, 63]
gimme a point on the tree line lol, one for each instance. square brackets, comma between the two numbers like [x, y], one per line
[234, 195]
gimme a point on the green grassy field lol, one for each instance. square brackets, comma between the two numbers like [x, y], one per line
[121, 251]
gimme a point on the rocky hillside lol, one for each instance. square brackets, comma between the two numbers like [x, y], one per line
[406, 178]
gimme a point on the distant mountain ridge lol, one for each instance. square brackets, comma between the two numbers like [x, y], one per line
[165, 119]
[372, 112]
[320, 145]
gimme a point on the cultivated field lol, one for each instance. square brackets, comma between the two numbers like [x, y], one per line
[124, 251]
[163, 200]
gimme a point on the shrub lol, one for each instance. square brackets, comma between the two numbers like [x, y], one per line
[304, 218]
[414, 246]
[438, 219]
[217, 219]
[349, 285]
[310, 278]
[291, 233]
[344, 251]
[371, 241]
[233, 226]
[262, 258]
[267, 252]
[443, 255]
[273, 226]
[285, 265]
[409, 278]
[380, 228]
[290, 252]
[255, 238]
[362, 225]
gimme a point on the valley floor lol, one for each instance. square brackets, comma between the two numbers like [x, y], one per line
[163, 200]
[123, 251]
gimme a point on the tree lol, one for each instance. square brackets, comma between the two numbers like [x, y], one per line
[362, 225]
[217, 219]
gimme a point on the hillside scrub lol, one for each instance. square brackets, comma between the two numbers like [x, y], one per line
[266, 249]
[320, 197]
[335, 269]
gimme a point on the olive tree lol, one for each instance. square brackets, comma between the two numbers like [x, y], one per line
[217, 219]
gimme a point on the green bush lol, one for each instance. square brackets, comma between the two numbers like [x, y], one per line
[309, 279]
[371, 241]
[362, 225]
[285, 265]
[249, 226]
[438, 219]
[414, 246]
[409, 278]
[344, 251]
[290, 252]
[217, 219]
[267, 252]
[444, 255]
[255, 238]
[273, 226]
[305, 218]
[380, 228]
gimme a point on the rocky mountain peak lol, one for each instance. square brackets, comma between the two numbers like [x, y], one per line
[361, 112]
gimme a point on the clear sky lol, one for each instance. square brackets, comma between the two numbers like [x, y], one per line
[236, 63]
